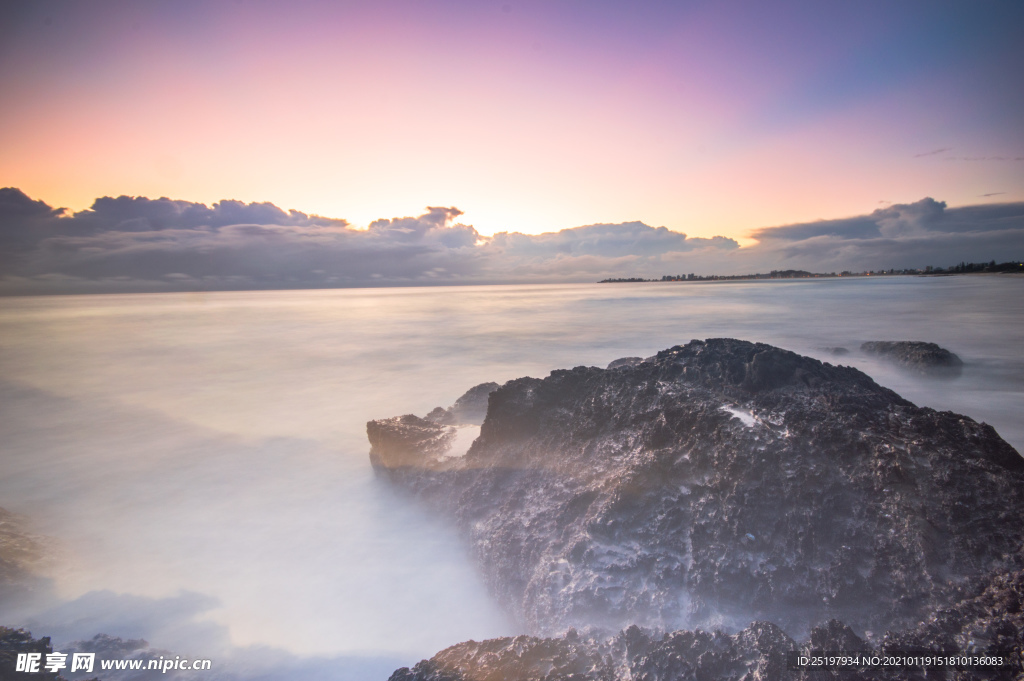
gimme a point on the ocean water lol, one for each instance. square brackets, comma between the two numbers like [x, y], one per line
[196, 464]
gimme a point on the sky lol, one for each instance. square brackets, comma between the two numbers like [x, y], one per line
[711, 119]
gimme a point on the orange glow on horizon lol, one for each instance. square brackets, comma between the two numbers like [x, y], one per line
[366, 113]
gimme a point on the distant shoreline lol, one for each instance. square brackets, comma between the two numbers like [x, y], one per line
[105, 288]
[1011, 268]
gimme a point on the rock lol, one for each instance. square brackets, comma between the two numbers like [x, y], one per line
[15, 641]
[986, 623]
[836, 351]
[408, 442]
[756, 652]
[606, 498]
[924, 358]
[469, 409]
[625, 362]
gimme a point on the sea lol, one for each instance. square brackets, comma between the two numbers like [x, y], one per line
[194, 465]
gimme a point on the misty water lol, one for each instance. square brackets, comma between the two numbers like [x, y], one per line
[196, 463]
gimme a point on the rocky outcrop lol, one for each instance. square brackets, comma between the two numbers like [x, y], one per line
[761, 651]
[990, 620]
[469, 409]
[635, 654]
[923, 358]
[715, 484]
[15, 641]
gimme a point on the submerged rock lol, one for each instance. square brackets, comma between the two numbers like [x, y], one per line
[924, 358]
[724, 482]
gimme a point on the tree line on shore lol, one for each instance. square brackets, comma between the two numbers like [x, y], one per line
[961, 268]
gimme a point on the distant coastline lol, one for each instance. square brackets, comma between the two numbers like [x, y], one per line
[1011, 267]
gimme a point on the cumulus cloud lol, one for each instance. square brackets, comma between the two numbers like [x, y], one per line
[898, 236]
[136, 243]
[140, 244]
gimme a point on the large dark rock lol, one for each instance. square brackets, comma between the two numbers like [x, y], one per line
[469, 409]
[986, 622]
[716, 484]
[927, 359]
[756, 652]
[18, 641]
[624, 362]
[760, 652]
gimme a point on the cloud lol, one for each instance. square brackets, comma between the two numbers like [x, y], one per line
[136, 243]
[933, 152]
[629, 238]
[898, 236]
[140, 244]
[128, 213]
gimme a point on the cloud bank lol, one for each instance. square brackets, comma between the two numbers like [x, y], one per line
[913, 235]
[140, 244]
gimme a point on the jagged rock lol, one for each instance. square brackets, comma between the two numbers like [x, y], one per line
[716, 484]
[408, 442]
[469, 409]
[756, 652]
[15, 641]
[109, 647]
[625, 362]
[987, 616]
[923, 358]
[760, 652]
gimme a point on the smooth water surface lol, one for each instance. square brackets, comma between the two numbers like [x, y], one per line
[198, 462]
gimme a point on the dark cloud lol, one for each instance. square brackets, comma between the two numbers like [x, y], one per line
[131, 213]
[16, 205]
[926, 216]
[899, 236]
[140, 244]
[136, 243]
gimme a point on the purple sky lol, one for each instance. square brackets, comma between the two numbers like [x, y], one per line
[707, 118]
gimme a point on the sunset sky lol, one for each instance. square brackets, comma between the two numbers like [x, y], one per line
[709, 118]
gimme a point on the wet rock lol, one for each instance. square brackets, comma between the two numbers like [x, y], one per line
[756, 652]
[624, 362]
[469, 409]
[629, 496]
[923, 358]
[408, 442]
[760, 651]
[15, 641]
